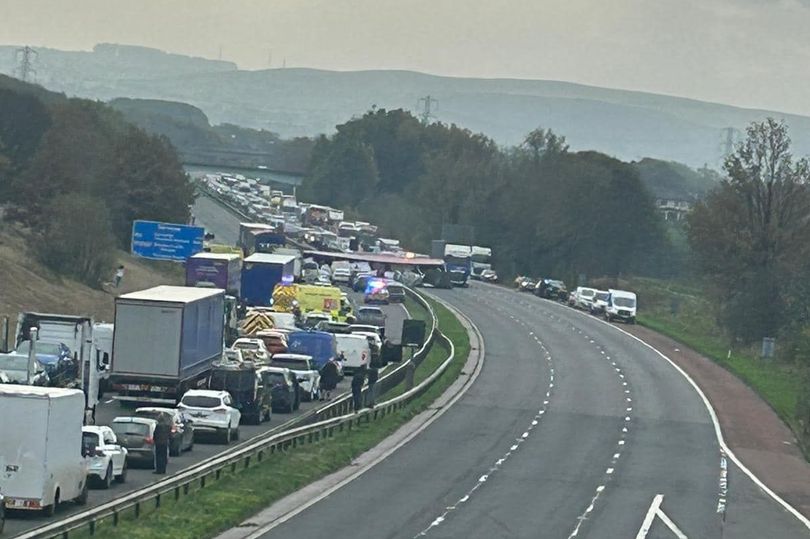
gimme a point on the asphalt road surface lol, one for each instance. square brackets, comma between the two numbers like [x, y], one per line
[214, 218]
[572, 430]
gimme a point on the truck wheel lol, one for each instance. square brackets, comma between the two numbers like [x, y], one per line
[108, 477]
[50, 510]
[82, 499]
[122, 477]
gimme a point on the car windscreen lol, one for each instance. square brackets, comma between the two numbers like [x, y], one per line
[201, 401]
[602, 296]
[625, 302]
[294, 364]
[139, 429]
[587, 293]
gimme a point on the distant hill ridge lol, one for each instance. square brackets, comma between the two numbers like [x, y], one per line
[630, 125]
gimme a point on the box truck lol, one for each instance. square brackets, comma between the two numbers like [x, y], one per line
[261, 272]
[215, 270]
[165, 341]
[41, 454]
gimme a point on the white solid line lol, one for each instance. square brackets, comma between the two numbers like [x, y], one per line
[650, 516]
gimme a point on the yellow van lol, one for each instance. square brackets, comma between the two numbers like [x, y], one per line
[309, 298]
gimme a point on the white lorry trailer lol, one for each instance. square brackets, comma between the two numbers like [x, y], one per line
[42, 460]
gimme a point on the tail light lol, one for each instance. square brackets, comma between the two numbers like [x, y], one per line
[149, 440]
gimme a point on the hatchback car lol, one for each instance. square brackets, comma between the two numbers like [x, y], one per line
[108, 459]
[181, 435]
[211, 410]
[373, 316]
[137, 435]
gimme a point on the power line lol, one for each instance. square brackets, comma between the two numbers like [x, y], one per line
[425, 104]
[25, 56]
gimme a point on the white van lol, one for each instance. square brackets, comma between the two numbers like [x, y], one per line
[356, 350]
[582, 297]
[41, 449]
[621, 305]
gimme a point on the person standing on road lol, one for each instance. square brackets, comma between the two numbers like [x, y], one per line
[329, 378]
[358, 378]
[161, 446]
[371, 394]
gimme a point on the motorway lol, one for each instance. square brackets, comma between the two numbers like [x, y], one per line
[225, 226]
[573, 429]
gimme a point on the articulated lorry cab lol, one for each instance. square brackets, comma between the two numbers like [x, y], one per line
[166, 340]
[458, 261]
[481, 259]
[87, 368]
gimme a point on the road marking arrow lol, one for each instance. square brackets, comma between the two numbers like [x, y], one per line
[656, 511]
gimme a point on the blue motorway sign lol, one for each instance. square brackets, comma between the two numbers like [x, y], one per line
[166, 241]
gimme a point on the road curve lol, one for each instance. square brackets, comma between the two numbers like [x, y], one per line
[573, 429]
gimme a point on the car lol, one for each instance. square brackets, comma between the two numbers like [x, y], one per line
[54, 357]
[526, 284]
[232, 356]
[376, 295]
[181, 435]
[311, 319]
[373, 316]
[551, 289]
[396, 293]
[15, 368]
[489, 276]
[341, 276]
[212, 410]
[107, 458]
[361, 282]
[356, 328]
[137, 435]
[252, 349]
[582, 297]
[332, 327]
[305, 371]
[274, 340]
[599, 302]
[283, 386]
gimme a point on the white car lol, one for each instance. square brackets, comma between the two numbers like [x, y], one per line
[210, 410]
[252, 349]
[599, 302]
[305, 371]
[341, 275]
[107, 459]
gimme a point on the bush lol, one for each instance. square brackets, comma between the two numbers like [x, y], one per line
[77, 240]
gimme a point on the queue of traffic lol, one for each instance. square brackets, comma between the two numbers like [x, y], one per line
[612, 304]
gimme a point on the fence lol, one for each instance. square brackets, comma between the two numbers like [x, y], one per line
[319, 425]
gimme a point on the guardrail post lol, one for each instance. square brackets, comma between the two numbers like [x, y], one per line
[410, 371]
[176, 493]
[115, 518]
[137, 509]
[92, 527]
[157, 501]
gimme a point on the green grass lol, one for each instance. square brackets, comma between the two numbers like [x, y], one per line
[235, 497]
[686, 315]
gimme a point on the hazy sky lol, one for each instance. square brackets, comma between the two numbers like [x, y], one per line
[753, 53]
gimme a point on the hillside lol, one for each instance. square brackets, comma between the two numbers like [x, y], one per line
[28, 286]
[304, 102]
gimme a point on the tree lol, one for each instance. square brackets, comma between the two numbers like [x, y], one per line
[752, 234]
[77, 240]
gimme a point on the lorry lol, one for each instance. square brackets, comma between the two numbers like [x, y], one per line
[89, 369]
[165, 341]
[481, 259]
[215, 270]
[261, 272]
[43, 460]
[458, 261]
[299, 259]
[259, 237]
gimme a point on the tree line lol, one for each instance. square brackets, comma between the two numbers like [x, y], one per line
[76, 175]
[544, 209]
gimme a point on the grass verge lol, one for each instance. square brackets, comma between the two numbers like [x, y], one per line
[235, 497]
[684, 314]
